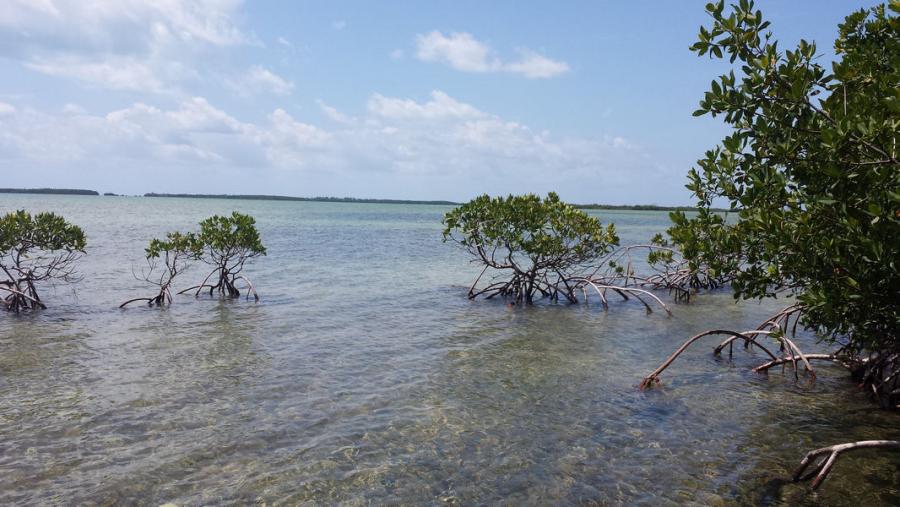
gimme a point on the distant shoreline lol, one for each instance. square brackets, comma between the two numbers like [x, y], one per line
[256, 197]
[59, 191]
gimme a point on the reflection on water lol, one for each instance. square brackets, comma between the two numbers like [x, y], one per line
[366, 377]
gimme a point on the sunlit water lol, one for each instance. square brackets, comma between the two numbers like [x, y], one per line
[365, 376]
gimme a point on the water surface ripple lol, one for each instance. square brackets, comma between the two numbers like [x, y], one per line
[365, 376]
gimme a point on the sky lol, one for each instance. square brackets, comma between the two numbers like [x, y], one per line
[394, 99]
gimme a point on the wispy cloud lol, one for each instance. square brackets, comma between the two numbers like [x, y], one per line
[457, 148]
[463, 52]
[139, 45]
[258, 79]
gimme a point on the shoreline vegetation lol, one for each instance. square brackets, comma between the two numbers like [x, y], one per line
[260, 197]
[59, 191]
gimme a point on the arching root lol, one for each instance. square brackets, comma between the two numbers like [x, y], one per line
[163, 298]
[653, 377]
[823, 467]
[601, 286]
[834, 358]
[775, 327]
[250, 289]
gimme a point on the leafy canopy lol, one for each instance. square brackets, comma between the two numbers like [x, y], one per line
[230, 237]
[811, 170]
[187, 244]
[22, 232]
[527, 234]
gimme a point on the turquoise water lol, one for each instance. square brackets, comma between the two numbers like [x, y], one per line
[365, 376]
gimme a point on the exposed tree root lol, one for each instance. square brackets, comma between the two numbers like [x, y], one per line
[19, 299]
[163, 298]
[823, 466]
[612, 274]
[175, 259]
[653, 378]
[834, 358]
[601, 286]
[23, 270]
[880, 373]
[226, 285]
[774, 327]
[670, 271]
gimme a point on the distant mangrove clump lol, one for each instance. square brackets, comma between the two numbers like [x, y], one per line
[225, 242]
[58, 191]
[260, 197]
[175, 252]
[543, 248]
[35, 249]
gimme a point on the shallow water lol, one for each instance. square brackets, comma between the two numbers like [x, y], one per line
[365, 376]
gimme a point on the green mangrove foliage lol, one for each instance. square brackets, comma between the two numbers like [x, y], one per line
[538, 247]
[811, 171]
[537, 243]
[228, 242]
[36, 248]
[175, 252]
[547, 248]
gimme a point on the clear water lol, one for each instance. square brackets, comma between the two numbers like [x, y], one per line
[365, 376]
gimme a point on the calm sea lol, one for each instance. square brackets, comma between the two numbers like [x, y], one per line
[365, 376]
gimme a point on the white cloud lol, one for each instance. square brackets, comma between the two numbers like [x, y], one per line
[259, 79]
[333, 114]
[441, 106]
[115, 72]
[339, 24]
[536, 66]
[439, 147]
[460, 50]
[139, 45]
[73, 109]
[285, 42]
[463, 52]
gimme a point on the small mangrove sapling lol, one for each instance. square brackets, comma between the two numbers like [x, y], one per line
[536, 244]
[36, 248]
[176, 251]
[228, 242]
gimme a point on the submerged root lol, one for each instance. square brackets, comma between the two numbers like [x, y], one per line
[879, 373]
[653, 378]
[162, 299]
[830, 454]
[226, 285]
[18, 299]
[601, 286]
[775, 327]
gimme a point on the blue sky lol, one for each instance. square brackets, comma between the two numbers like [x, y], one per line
[417, 100]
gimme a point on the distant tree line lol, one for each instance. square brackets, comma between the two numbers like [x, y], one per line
[263, 197]
[255, 197]
[59, 191]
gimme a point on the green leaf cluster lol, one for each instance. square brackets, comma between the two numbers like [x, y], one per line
[228, 237]
[528, 234]
[187, 244]
[21, 232]
[810, 171]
